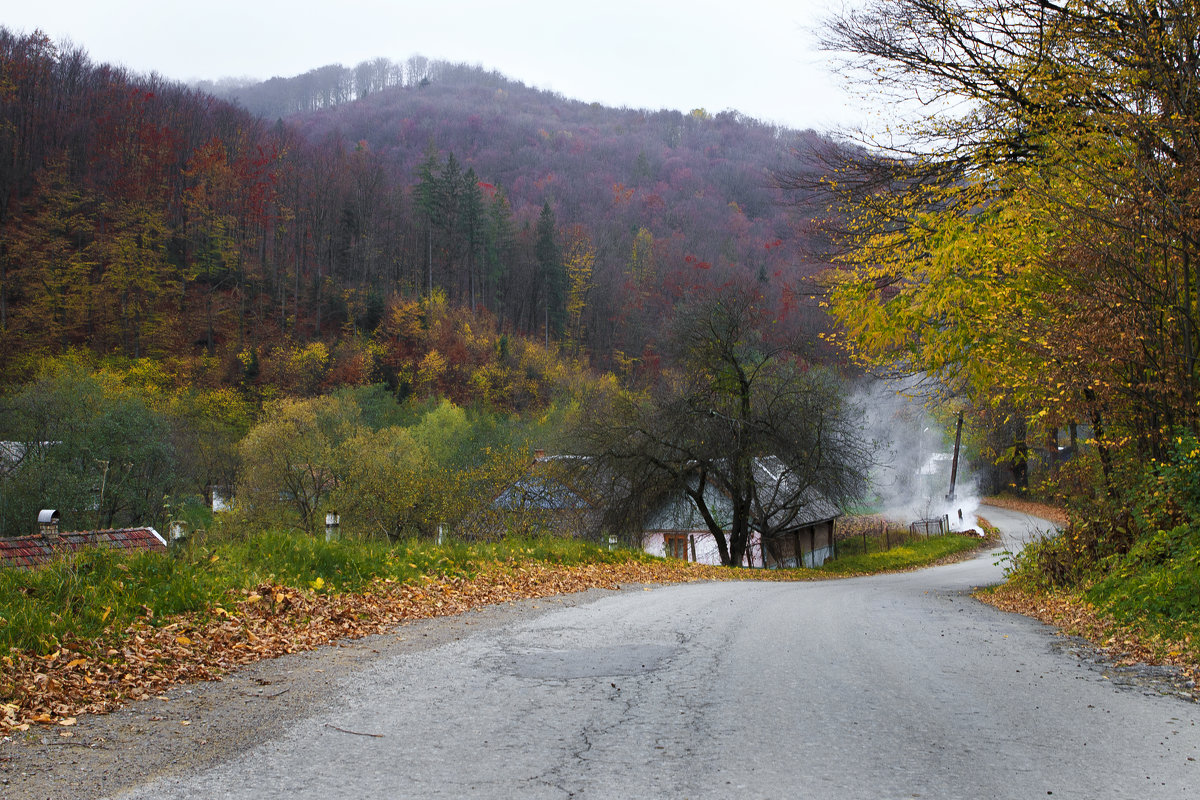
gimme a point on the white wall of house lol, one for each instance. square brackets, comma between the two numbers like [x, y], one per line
[706, 551]
[680, 517]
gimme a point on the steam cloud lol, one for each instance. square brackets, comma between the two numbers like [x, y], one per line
[915, 455]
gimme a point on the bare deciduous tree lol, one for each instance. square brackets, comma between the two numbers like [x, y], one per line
[743, 415]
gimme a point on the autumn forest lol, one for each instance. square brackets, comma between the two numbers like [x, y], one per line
[144, 218]
[202, 254]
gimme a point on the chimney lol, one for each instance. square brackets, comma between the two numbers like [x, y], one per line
[48, 525]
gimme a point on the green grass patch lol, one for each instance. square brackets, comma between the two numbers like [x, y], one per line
[100, 592]
[82, 596]
[877, 542]
[915, 553]
[294, 559]
[349, 565]
[1156, 585]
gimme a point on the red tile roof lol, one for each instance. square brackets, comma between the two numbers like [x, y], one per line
[32, 551]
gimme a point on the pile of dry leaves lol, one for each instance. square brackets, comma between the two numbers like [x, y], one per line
[97, 676]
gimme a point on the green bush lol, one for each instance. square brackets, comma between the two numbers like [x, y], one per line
[1156, 584]
[1068, 558]
[1158, 499]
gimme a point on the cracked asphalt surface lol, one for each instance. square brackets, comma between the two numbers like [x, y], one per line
[893, 686]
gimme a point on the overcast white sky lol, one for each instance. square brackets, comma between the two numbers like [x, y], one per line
[758, 57]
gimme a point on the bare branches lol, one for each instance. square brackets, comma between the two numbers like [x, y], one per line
[741, 416]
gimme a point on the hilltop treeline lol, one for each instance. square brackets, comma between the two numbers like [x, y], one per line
[323, 87]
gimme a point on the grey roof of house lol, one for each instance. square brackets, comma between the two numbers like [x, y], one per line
[539, 493]
[816, 507]
[676, 511]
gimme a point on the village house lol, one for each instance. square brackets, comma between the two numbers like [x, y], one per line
[799, 531]
[48, 543]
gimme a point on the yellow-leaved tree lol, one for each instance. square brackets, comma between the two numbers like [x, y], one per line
[291, 461]
[579, 258]
[1033, 242]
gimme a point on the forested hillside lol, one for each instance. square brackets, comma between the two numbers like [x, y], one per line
[140, 217]
[174, 265]
[658, 199]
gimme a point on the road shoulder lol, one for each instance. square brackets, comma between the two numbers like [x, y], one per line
[191, 727]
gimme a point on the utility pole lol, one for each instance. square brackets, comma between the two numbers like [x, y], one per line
[954, 463]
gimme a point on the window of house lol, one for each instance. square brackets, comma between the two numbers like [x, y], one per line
[677, 545]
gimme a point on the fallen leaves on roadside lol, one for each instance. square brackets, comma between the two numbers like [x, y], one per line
[95, 677]
[1077, 617]
[1047, 512]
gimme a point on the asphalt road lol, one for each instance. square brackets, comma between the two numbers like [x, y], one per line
[895, 686]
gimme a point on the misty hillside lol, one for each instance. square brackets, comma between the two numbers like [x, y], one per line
[529, 140]
[698, 188]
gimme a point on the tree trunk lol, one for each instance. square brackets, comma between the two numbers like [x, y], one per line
[723, 549]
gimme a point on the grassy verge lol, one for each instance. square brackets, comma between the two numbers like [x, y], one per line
[916, 553]
[93, 631]
[100, 592]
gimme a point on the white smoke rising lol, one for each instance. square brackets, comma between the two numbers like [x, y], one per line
[915, 455]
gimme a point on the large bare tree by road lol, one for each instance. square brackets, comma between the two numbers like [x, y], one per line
[743, 414]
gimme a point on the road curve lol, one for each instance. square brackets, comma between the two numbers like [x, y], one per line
[893, 686]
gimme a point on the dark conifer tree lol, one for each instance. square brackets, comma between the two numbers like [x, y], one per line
[470, 224]
[551, 277]
[427, 195]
